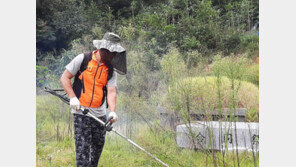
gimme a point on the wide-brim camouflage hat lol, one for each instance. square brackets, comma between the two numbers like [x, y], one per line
[111, 42]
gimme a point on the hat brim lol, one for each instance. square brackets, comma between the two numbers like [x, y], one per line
[112, 47]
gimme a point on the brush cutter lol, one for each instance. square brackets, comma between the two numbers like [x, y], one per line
[107, 125]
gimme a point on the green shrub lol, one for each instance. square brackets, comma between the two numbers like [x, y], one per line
[252, 74]
[231, 42]
[172, 65]
[41, 73]
[240, 67]
[191, 43]
[250, 44]
[233, 67]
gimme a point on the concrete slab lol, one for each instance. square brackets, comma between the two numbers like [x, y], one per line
[216, 135]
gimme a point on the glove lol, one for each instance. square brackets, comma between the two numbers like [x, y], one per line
[114, 115]
[74, 103]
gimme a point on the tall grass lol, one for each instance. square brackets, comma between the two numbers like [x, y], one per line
[53, 119]
[57, 148]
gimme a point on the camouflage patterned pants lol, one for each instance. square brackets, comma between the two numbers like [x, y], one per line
[89, 140]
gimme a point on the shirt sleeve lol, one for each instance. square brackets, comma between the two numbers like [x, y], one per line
[113, 80]
[74, 66]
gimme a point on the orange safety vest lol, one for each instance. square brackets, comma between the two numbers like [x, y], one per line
[93, 80]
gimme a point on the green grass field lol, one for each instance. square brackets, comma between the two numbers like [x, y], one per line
[55, 144]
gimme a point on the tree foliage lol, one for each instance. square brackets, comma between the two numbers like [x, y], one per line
[203, 25]
[194, 30]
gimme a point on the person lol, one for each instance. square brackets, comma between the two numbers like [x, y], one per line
[95, 78]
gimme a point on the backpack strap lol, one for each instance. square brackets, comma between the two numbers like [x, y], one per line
[78, 84]
[86, 59]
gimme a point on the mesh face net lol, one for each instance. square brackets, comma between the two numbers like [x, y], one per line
[119, 63]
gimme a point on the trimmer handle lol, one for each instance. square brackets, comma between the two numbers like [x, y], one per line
[108, 124]
[85, 111]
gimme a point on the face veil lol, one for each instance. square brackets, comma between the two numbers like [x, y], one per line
[119, 63]
[111, 42]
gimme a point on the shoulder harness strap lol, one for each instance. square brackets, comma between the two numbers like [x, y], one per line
[78, 85]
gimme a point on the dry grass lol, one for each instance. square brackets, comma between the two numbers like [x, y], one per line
[203, 91]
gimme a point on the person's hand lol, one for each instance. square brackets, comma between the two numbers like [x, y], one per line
[114, 116]
[74, 103]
